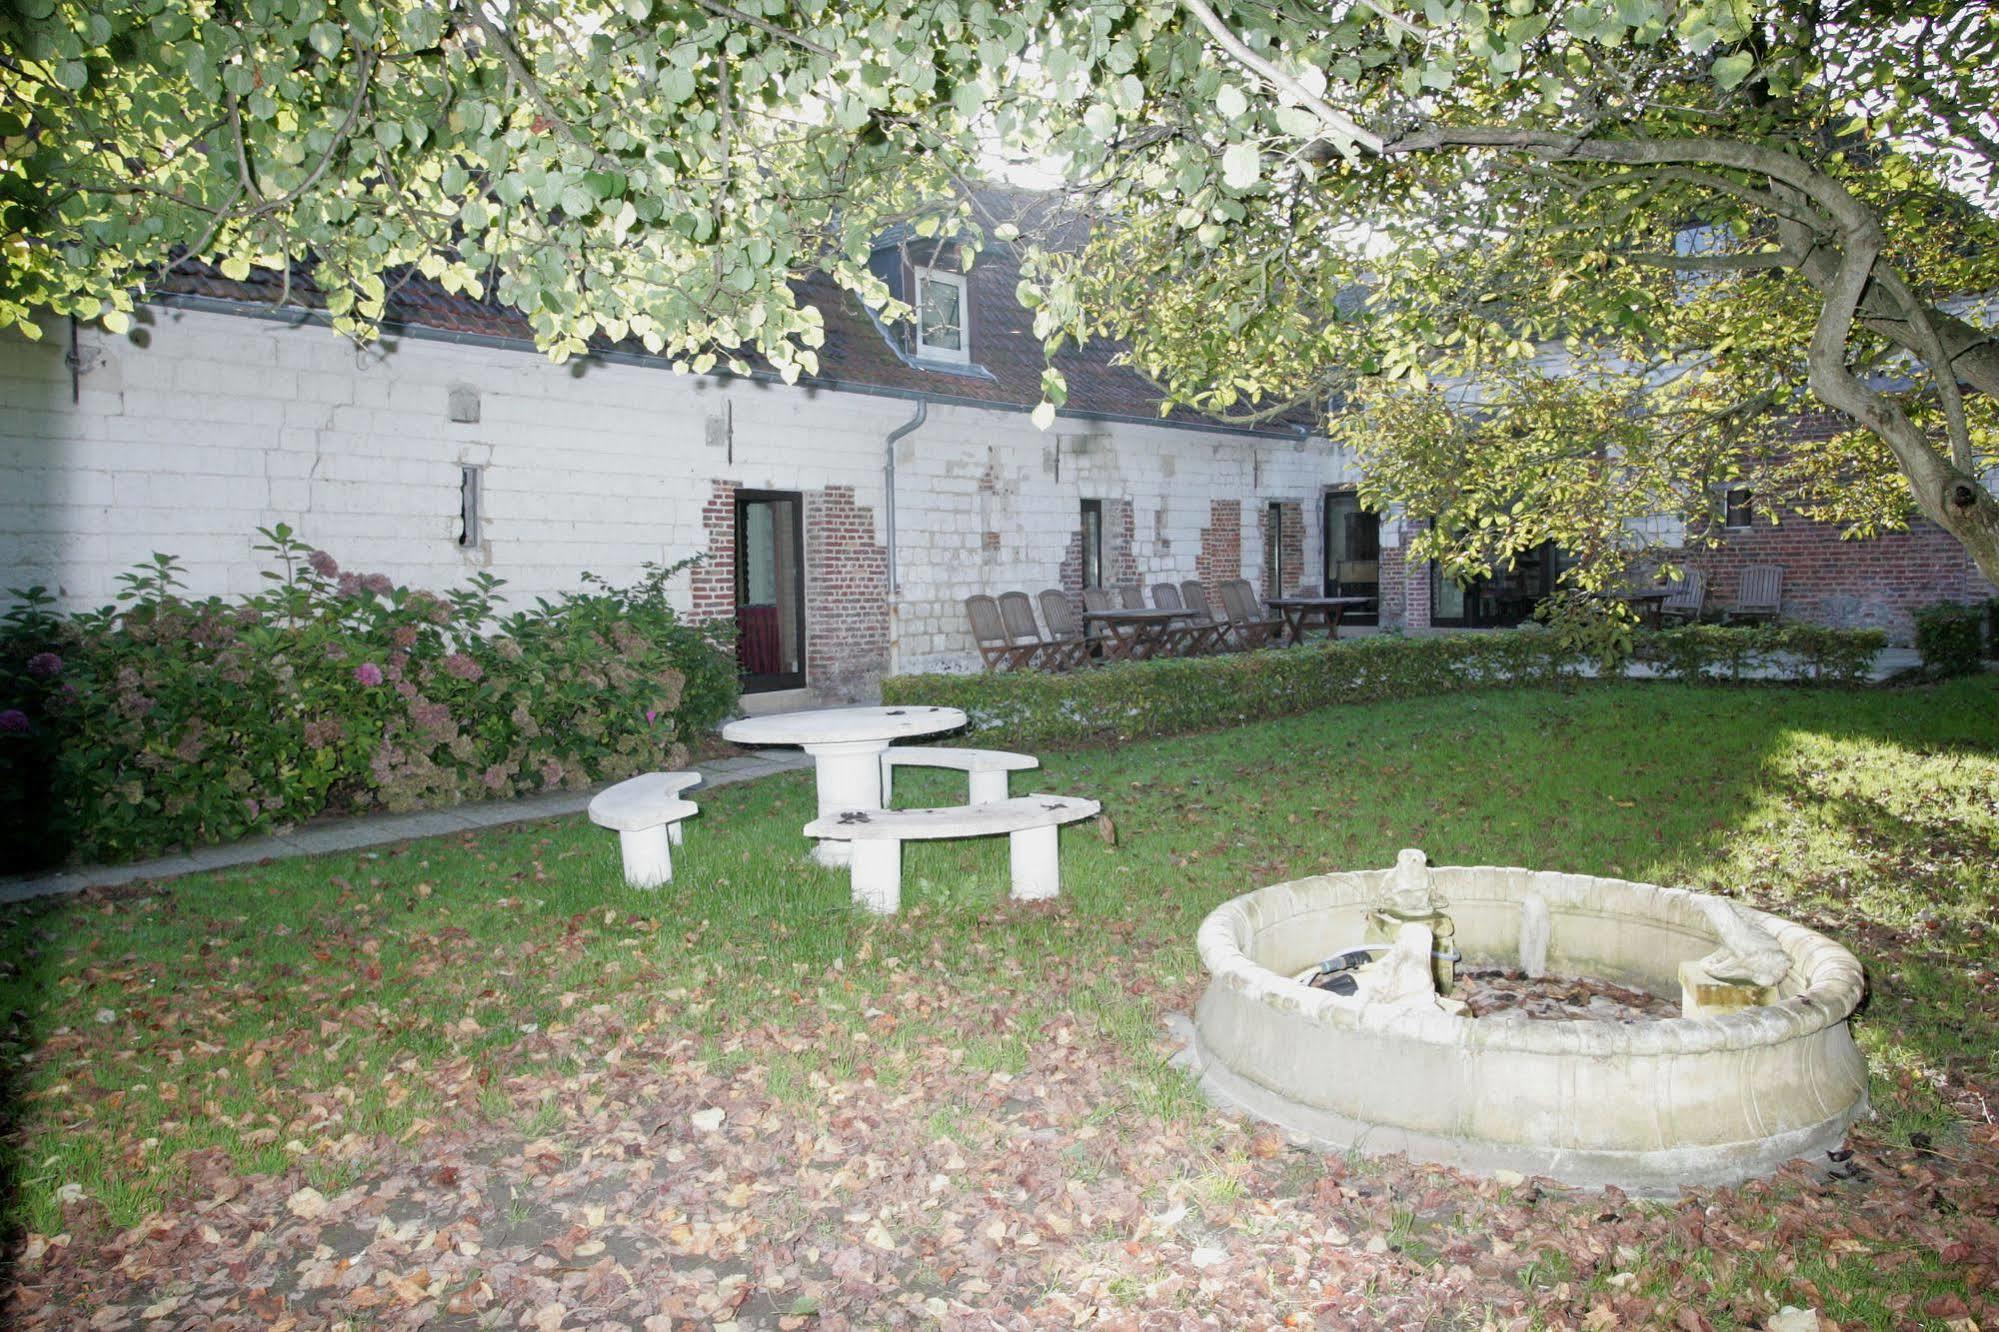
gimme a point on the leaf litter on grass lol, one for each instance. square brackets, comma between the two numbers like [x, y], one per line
[613, 1111]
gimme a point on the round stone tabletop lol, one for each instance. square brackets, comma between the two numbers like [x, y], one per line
[833, 726]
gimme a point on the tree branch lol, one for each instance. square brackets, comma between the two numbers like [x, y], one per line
[1239, 51]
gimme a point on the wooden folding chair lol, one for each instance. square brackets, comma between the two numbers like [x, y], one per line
[1246, 616]
[1191, 637]
[1195, 598]
[1131, 596]
[1760, 594]
[1017, 616]
[996, 647]
[1689, 595]
[1066, 627]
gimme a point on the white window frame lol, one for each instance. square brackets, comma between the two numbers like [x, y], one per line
[963, 351]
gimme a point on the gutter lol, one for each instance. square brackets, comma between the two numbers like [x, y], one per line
[908, 427]
[293, 317]
[894, 589]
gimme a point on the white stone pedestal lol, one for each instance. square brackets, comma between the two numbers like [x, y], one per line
[1037, 866]
[849, 777]
[648, 862]
[877, 874]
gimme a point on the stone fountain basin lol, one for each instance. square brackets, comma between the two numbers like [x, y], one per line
[1651, 1107]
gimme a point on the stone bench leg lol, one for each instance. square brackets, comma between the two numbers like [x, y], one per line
[1037, 867]
[878, 875]
[988, 787]
[673, 832]
[648, 863]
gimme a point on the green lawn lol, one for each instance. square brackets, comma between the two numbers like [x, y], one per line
[488, 1061]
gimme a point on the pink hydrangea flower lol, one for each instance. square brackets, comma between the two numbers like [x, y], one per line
[45, 665]
[14, 722]
[323, 564]
[368, 673]
[379, 584]
[463, 667]
[349, 585]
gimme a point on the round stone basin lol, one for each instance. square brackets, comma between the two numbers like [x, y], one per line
[1651, 1106]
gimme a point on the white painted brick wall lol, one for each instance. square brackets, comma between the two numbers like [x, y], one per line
[220, 425]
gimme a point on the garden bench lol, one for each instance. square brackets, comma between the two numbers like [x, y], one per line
[877, 836]
[986, 769]
[645, 811]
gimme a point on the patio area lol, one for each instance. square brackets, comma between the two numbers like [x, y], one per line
[474, 1080]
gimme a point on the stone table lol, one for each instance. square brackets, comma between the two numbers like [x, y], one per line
[846, 745]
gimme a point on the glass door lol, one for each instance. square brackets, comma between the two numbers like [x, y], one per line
[1352, 547]
[1505, 598]
[770, 589]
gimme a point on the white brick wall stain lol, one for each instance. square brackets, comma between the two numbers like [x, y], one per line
[220, 425]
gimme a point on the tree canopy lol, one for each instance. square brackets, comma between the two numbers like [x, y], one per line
[1706, 213]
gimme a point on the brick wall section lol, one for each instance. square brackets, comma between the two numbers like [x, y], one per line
[1120, 553]
[1221, 546]
[713, 580]
[846, 598]
[1405, 583]
[1874, 583]
[1291, 531]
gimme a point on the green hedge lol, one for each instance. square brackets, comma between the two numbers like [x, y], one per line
[166, 722]
[1133, 700]
[1739, 654]
[1950, 638]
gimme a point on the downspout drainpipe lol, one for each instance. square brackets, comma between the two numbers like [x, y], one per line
[894, 589]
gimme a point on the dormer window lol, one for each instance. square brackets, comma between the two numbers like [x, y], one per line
[941, 316]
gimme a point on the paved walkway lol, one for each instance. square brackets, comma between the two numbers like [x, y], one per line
[353, 834]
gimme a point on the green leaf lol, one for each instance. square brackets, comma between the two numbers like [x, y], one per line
[1732, 69]
[327, 38]
[1242, 166]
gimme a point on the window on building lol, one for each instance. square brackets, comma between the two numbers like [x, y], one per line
[1273, 550]
[1736, 509]
[469, 502]
[1093, 543]
[941, 315]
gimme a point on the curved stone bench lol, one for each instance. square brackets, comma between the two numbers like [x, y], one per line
[986, 769]
[1029, 821]
[645, 811]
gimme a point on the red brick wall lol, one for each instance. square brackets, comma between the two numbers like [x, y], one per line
[1873, 583]
[1405, 585]
[1291, 535]
[714, 579]
[846, 600]
[1221, 545]
[1119, 553]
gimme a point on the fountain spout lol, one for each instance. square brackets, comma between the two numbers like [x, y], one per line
[1410, 897]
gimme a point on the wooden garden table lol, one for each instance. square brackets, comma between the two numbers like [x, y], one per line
[1134, 635]
[1296, 610]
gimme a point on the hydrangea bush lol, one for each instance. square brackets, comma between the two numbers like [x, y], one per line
[166, 721]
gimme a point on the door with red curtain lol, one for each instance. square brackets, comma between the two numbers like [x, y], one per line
[770, 589]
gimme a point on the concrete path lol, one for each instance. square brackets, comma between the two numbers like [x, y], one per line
[373, 830]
